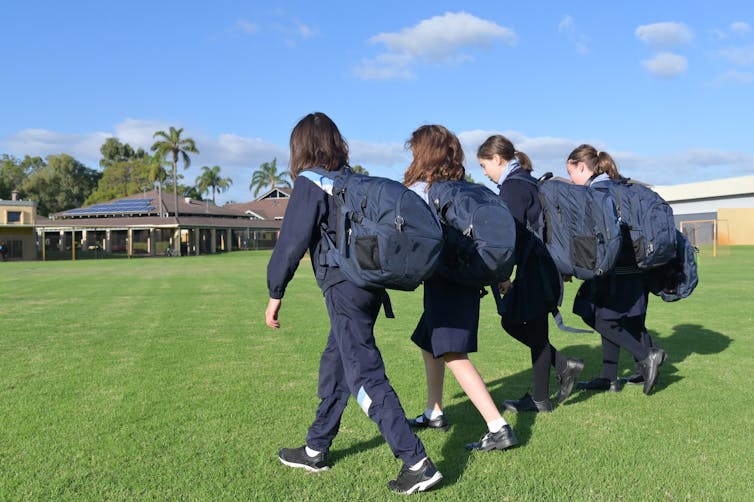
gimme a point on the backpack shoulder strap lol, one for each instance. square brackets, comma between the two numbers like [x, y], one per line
[324, 180]
[544, 178]
[320, 177]
[520, 175]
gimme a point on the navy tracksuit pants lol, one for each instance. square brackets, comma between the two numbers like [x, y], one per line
[351, 364]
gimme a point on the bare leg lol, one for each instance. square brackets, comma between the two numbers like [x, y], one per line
[435, 370]
[472, 384]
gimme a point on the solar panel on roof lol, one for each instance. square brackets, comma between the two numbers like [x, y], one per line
[137, 205]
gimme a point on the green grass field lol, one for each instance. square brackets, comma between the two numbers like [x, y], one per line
[157, 379]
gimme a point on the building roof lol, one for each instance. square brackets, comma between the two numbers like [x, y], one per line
[270, 206]
[124, 222]
[153, 209]
[725, 187]
[18, 203]
[150, 203]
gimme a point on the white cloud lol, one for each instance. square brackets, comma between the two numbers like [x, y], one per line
[549, 154]
[735, 77]
[43, 142]
[712, 164]
[238, 156]
[742, 56]
[383, 154]
[290, 30]
[567, 27]
[386, 67]
[440, 39]
[245, 26]
[232, 149]
[664, 35]
[721, 34]
[546, 153]
[666, 65]
[306, 31]
[740, 27]
[139, 133]
[223, 149]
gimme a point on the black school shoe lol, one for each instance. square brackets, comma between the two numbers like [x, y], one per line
[297, 457]
[422, 422]
[600, 384]
[500, 440]
[649, 368]
[567, 377]
[635, 378]
[409, 481]
[527, 403]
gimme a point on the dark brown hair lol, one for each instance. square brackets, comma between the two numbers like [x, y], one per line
[437, 156]
[500, 145]
[317, 142]
[599, 162]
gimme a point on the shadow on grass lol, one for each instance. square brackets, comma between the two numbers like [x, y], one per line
[686, 339]
[468, 426]
[375, 442]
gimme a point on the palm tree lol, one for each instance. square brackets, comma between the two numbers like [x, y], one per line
[268, 176]
[172, 143]
[210, 178]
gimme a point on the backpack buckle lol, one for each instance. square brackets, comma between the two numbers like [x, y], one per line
[399, 222]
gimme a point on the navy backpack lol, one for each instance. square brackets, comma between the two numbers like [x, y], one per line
[580, 228]
[480, 233]
[649, 220]
[386, 235]
[678, 278]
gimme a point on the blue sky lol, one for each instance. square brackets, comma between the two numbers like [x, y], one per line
[666, 87]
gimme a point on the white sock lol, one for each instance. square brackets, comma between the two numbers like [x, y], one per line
[432, 413]
[417, 465]
[496, 425]
[311, 453]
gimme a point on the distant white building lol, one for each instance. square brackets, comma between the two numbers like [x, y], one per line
[729, 202]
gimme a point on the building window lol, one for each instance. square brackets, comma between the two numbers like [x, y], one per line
[12, 249]
[14, 216]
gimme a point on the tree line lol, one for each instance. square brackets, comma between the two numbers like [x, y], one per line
[60, 182]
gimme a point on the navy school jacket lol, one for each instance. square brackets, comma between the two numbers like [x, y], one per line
[519, 192]
[537, 288]
[301, 230]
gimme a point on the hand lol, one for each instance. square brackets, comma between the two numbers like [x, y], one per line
[271, 314]
[503, 287]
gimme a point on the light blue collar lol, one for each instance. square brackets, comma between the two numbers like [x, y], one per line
[512, 166]
[600, 178]
[421, 189]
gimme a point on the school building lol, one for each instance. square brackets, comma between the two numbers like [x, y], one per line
[146, 224]
[18, 219]
[719, 211]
